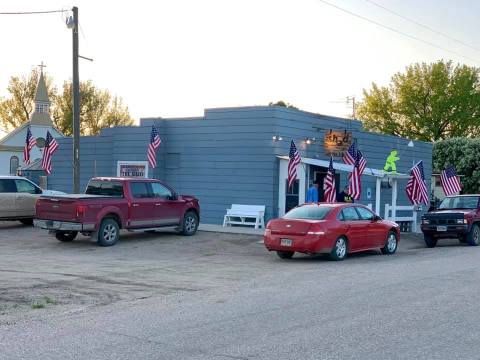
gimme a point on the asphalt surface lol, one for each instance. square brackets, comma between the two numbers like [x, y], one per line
[238, 301]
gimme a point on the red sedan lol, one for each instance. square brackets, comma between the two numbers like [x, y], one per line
[335, 229]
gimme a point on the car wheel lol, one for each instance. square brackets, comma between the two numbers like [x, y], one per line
[391, 244]
[430, 241]
[339, 251]
[473, 237]
[190, 223]
[66, 236]
[26, 221]
[108, 233]
[285, 254]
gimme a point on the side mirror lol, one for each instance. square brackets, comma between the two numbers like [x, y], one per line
[377, 218]
[173, 196]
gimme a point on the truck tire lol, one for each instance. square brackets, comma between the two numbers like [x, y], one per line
[66, 236]
[27, 221]
[190, 223]
[430, 241]
[473, 237]
[108, 232]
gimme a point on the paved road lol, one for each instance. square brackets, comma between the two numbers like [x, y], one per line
[417, 304]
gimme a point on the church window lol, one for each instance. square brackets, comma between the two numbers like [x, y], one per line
[14, 162]
[40, 142]
[41, 108]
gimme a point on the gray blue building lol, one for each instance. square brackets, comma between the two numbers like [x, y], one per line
[240, 155]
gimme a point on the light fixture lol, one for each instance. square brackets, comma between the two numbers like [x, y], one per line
[309, 140]
[277, 138]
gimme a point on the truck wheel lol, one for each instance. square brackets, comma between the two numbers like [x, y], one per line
[108, 232]
[66, 236]
[430, 241]
[190, 223]
[473, 237]
[391, 244]
[27, 221]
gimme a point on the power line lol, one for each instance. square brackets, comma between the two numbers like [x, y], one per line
[424, 26]
[398, 31]
[31, 12]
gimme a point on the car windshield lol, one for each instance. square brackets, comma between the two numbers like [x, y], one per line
[105, 188]
[311, 212]
[459, 202]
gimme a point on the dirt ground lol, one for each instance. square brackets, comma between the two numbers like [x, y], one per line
[40, 274]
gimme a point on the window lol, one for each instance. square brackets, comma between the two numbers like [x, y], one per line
[7, 186]
[459, 202]
[14, 165]
[139, 190]
[350, 214]
[364, 213]
[105, 188]
[40, 142]
[160, 191]
[312, 212]
[41, 107]
[26, 187]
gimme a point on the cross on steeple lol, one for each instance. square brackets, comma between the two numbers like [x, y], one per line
[41, 66]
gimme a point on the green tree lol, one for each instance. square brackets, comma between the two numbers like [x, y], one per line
[427, 102]
[282, 103]
[19, 105]
[98, 109]
[463, 154]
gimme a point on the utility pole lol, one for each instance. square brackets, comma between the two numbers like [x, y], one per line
[76, 106]
[352, 99]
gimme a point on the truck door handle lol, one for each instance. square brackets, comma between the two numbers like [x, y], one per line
[135, 205]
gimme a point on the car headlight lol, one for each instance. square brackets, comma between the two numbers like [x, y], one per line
[425, 221]
[461, 221]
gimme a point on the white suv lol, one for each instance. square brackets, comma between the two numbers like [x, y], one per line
[17, 198]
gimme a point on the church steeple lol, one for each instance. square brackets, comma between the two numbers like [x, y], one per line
[41, 115]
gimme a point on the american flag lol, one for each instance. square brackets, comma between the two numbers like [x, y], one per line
[450, 181]
[30, 142]
[330, 194]
[295, 159]
[354, 179]
[51, 146]
[350, 156]
[416, 187]
[152, 146]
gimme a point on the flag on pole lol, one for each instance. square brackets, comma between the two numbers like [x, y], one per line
[30, 142]
[354, 180]
[350, 156]
[51, 146]
[416, 187]
[295, 159]
[450, 181]
[153, 146]
[330, 194]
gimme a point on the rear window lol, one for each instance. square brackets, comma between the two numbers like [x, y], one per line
[312, 212]
[105, 188]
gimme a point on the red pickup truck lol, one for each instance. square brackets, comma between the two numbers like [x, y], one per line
[111, 204]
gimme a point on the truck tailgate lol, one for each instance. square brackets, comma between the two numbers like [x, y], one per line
[51, 208]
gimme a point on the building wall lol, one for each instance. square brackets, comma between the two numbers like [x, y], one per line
[228, 156]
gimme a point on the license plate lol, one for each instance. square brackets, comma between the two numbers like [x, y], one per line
[441, 228]
[286, 242]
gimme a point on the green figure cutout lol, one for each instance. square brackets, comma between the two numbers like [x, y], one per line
[390, 165]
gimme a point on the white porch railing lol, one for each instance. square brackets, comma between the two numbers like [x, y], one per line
[391, 214]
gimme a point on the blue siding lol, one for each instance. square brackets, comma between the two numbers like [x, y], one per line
[228, 155]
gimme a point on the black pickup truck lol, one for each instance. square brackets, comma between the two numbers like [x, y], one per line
[457, 216]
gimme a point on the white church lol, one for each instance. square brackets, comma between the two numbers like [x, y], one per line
[12, 144]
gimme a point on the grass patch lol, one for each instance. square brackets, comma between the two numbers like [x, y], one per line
[37, 305]
[49, 300]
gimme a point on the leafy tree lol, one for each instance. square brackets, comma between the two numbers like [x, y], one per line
[17, 108]
[282, 103]
[463, 154]
[98, 109]
[427, 102]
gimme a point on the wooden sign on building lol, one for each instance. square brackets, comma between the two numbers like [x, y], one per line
[336, 142]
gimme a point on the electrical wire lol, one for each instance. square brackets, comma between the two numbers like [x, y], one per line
[398, 31]
[30, 12]
[423, 26]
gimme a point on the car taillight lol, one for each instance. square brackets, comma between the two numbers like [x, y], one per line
[315, 230]
[80, 211]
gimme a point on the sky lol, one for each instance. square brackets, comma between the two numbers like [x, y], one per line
[174, 58]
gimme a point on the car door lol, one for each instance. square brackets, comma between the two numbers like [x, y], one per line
[7, 198]
[375, 234]
[142, 209]
[168, 208]
[355, 228]
[25, 198]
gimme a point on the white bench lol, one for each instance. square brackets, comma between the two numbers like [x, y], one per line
[244, 214]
